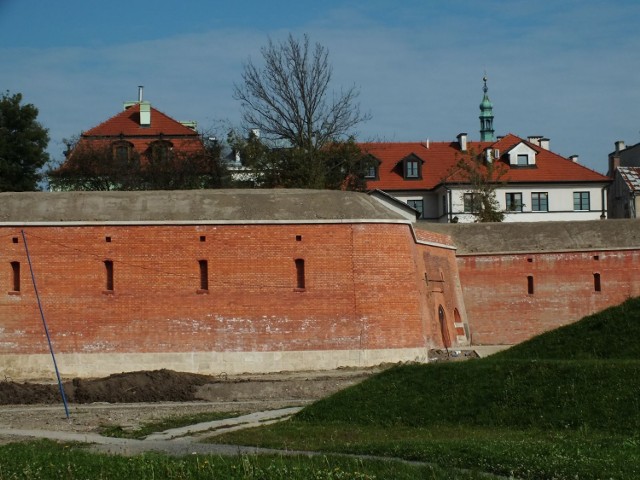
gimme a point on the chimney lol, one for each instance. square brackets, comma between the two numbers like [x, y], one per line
[574, 158]
[535, 139]
[140, 89]
[620, 146]
[145, 114]
[462, 140]
[544, 143]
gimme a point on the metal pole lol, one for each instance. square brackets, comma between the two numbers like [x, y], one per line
[44, 323]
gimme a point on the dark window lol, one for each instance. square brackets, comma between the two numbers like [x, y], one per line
[540, 202]
[204, 274]
[530, 284]
[107, 239]
[596, 282]
[15, 240]
[15, 271]
[121, 152]
[412, 169]
[371, 172]
[298, 238]
[418, 205]
[161, 151]
[108, 269]
[471, 202]
[203, 238]
[581, 201]
[514, 202]
[300, 280]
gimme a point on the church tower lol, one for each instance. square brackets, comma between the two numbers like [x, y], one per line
[486, 116]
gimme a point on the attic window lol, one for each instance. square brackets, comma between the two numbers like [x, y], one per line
[371, 172]
[411, 168]
[523, 160]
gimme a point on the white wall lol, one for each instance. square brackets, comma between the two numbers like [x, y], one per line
[560, 203]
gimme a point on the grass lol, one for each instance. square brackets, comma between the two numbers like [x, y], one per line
[564, 405]
[167, 423]
[48, 460]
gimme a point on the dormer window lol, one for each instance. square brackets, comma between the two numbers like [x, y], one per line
[371, 165]
[522, 155]
[412, 167]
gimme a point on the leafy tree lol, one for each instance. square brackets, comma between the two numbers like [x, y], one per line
[482, 178]
[338, 166]
[23, 144]
[304, 139]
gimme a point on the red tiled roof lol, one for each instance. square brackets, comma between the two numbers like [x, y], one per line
[127, 123]
[440, 158]
[126, 126]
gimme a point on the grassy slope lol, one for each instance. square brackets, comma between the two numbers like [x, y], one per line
[590, 378]
[564, 405]
[608, 335]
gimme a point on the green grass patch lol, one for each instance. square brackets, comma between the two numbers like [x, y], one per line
[587, 395]
[48, 460]
[168, 423]
[565, 405]
[526, 454]
[607, 335]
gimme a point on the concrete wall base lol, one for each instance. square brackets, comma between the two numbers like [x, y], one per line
[40, 367]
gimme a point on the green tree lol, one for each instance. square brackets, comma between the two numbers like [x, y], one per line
[338, 166]
[482, 178]
[23, 144]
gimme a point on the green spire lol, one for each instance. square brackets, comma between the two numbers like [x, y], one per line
[486, 116]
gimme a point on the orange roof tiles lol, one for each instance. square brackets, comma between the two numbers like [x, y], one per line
[439, 159]
[126, 126]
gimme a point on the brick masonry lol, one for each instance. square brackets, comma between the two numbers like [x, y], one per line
[364, 291]
[512, 297]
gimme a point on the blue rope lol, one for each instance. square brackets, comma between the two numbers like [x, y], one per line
[44, 323]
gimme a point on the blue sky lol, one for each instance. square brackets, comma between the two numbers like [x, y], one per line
[565, 69]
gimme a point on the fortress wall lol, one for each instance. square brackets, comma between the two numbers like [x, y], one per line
[502, 310]
[364, 299]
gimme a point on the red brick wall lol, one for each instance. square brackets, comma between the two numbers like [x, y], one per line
[364, 288]
[502, 311]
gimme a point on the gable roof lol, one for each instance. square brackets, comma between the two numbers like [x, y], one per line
[127, 123]
[126, 126]
[439, 160]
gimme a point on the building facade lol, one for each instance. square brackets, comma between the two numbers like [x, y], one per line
[531, 182]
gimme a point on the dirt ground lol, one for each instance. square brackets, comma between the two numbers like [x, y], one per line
[131, 399]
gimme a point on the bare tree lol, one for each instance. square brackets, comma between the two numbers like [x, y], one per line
[289, 99]
[481, 179]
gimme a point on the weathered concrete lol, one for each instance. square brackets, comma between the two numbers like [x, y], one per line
[479, 238]
[20, 367]
[274, 205]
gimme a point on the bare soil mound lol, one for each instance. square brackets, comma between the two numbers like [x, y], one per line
[133, 387]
